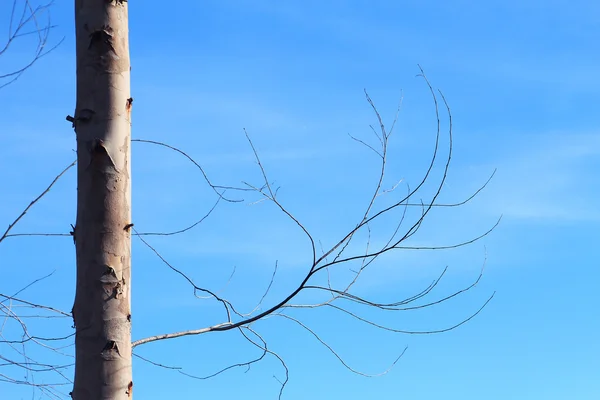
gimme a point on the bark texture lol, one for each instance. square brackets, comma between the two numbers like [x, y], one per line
[102, 308]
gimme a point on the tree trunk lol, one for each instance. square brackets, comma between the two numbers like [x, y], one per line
[102, 309]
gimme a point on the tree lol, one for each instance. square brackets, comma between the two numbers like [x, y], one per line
[103, 230]
[102, 309]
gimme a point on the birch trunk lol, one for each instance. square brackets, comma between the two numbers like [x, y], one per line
[102, 308]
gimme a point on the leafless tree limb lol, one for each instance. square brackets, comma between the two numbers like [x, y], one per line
[396, 241]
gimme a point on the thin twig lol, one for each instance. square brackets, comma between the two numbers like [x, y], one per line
[35, 201]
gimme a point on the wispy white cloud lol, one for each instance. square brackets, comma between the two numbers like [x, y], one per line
[547, 177]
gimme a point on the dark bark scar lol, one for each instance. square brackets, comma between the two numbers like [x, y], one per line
[111, 346]
[110, 274]
[102, 40]
[98, 148]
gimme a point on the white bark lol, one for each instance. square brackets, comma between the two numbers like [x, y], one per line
[102, 309]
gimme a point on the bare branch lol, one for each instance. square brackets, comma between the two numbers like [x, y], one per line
[283, 364]
[5, 235]
[369, 256]
[214, 187]
[226, 304]
[246, 364]
[183, 229]
[180, 334]
[332, 351]
[28, 24]
[271, 196]
[34, 305]
[31, 284]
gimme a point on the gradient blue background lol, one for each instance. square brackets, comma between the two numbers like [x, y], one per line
[522, 80]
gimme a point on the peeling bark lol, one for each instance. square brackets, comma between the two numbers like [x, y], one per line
[102, 308]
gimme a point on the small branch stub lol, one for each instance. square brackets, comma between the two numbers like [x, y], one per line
[84, 115]
[72, 233]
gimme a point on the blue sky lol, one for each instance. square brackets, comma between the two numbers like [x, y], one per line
[522, 81]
